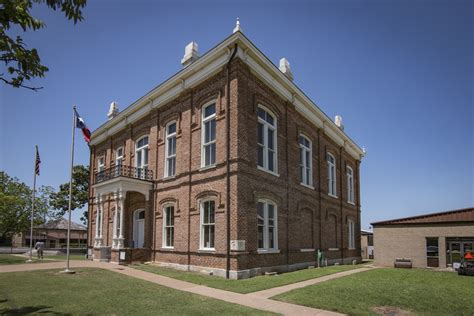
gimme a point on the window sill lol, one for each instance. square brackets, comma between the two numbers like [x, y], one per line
[267, 251]
[207, 250]
[167, 248]
[168, 178]
[307, 250]
[207, 167]
[351, 203]
[333, 249]
[307, 186]
[268, 171]
[333, 196]
[351, 249]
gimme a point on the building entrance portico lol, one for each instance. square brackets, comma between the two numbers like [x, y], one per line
[120, 214]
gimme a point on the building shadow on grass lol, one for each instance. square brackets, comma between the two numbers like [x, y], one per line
[26, 310]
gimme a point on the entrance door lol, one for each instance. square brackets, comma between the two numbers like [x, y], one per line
[454, 252]
[139, 229]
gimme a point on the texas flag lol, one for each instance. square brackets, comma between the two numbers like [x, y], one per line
[82, 125]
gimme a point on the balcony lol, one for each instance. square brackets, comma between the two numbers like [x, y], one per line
[123, 171]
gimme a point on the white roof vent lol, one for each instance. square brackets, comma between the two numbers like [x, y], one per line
[285, 68]
[113, 110]
[338, 122]
[190, 54]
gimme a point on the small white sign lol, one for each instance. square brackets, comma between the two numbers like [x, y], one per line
[122, 255]
[237, 245]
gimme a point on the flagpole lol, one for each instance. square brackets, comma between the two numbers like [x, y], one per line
[70, 192]
[33, 208]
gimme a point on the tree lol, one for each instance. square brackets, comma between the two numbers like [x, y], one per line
[80, 193]
[15, 206]
[22, 63]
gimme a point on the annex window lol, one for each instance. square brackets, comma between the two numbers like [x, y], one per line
[168, 226]
[267, 225]
[350, 185]
[208, 150]
[267, 141]
[331, 175]
[351, 234]
[119, 156]
[170, 151]
[306, 168]
[141, 156]
[207, 225]
[432, 252]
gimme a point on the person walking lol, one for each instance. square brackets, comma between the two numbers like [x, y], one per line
[39, 246]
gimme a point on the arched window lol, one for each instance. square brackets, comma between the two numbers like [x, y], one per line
[331, 175]
[208, 219]
[267, 225]
[168, 226]
[208, 137]
[350, 185]
[267, 140]
[141, 156]
[170, 151]
[306, 165]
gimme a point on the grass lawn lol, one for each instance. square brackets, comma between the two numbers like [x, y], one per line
[13, 259]
[420, 291]
[254, 284]
[101, 292]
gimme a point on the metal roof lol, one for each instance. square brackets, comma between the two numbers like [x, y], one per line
[61, 224]
[461, 215]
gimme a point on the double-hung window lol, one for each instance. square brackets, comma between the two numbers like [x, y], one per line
[170, 151]
[331, 175]
[267, 141]
[141, 157]
[305, 161]
[208, 150]
[351, 234]
[207, 225]
[267, 225]
[350, 185]
[118, 161]
[168, 226]
[100, 164]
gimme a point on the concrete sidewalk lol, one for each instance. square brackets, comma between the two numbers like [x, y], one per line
[258, 300]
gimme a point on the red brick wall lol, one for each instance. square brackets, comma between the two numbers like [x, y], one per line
[304, 213]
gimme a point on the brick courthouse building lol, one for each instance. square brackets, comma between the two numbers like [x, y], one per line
[227, 167]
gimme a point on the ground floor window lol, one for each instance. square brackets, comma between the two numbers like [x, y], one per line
[267, 225]
[432, 252]
[207, 224]
[168, 227]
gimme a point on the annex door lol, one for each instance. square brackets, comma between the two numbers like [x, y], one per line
[139, 229]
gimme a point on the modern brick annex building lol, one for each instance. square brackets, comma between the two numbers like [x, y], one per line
[227, 167]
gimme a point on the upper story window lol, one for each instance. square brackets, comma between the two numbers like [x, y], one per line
[119, 156]
[331, 175]
[267, 141]
[100, 164]
[306, 166]
[168, 226]
[208, 140]
[350, 185]
[351, 234]
[141, 156]
[267, 225]
[208, 219]
[170, 151]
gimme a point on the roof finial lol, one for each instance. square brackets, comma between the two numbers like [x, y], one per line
[237, 26]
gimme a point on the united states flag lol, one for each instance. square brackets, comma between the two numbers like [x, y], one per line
[37, 162]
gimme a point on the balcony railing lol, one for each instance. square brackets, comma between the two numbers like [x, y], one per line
[124, 171]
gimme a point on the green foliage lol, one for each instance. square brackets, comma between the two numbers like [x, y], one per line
[15, 206]
[80, 193]
[22, 63]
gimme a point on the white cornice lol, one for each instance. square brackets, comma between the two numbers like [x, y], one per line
[211, 63]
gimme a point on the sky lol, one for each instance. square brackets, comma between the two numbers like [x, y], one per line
[400, 73]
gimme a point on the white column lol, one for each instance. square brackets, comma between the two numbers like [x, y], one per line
[98, 222]
[119, 206]
[114, 233]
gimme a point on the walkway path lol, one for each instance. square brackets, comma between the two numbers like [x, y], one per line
[258, 300]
